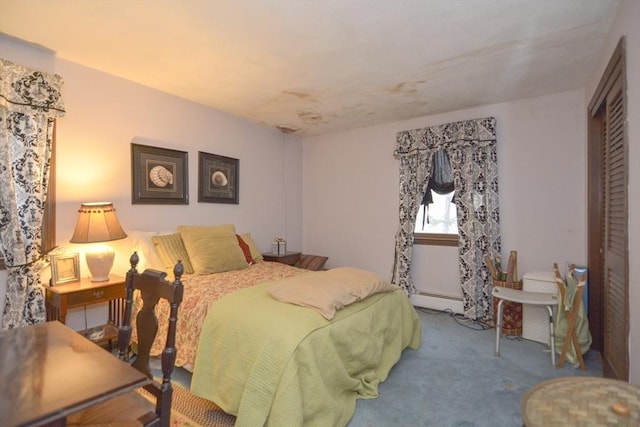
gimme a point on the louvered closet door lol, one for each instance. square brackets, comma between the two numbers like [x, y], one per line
[615, 252]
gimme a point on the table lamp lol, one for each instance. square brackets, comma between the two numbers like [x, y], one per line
[97, 223]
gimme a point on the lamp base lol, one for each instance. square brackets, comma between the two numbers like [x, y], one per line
[100, 261]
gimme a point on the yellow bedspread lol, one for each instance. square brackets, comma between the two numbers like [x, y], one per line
[278, 364]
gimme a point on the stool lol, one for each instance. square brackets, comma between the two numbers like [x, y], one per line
[546, 299]
[581, 401]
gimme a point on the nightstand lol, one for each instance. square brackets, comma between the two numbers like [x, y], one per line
[290, 258]
[84, 292]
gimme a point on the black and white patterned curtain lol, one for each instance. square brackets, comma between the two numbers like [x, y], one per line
[471, 148]
[30, 101]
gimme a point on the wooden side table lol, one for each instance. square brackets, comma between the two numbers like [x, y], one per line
[290, 258]
[49, 372]
[59, 299]
[577, 401]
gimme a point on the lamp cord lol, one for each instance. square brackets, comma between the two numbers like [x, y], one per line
[284, 186]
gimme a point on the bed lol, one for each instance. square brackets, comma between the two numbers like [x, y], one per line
[265, 356]
[200, 292]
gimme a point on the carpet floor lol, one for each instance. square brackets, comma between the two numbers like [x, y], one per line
[454, 379]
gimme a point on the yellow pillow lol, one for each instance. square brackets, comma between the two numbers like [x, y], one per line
[328, 291]
[170, 249]
[255, 252]
[213, 249]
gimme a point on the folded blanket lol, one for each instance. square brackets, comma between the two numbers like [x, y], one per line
[329, 291]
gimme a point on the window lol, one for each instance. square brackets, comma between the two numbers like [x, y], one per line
[436, 221]
[441, 215]
[440, 228]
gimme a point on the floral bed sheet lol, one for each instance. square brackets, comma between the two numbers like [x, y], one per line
[200, 291]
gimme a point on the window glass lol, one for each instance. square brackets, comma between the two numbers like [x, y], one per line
[441, 216]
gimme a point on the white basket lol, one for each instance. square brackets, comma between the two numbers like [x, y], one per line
[535, 319]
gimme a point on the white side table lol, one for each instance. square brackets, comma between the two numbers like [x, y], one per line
[546, 299]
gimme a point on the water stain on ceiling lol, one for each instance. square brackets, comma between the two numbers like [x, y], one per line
[317, 67]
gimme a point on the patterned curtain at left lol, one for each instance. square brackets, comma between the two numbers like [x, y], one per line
[30, 101]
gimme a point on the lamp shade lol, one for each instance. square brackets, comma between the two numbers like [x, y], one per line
[97, 222]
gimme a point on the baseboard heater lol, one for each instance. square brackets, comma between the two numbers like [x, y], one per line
[437, 302]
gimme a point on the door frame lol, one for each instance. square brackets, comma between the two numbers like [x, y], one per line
[616, 68]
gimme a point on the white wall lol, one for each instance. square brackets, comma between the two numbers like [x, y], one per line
[626, 24]
[105, 114]
[350, 201]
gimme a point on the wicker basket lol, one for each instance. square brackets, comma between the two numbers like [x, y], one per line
[511, 311]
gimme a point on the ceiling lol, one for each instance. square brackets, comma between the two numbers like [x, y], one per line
[313, 67]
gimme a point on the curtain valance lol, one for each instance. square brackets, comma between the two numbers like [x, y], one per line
[477, 132]
[27, 91]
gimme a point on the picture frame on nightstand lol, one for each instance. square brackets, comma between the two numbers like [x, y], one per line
[65, 268]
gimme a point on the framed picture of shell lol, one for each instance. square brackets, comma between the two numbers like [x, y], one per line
[159, 176]
[218, 179]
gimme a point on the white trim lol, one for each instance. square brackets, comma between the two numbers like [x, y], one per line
[437, 303]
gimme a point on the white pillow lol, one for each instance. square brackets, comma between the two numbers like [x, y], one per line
[141, 243]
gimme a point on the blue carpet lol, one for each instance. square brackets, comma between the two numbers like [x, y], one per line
[454, 380]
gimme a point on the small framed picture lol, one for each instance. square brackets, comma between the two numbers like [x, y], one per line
[159, 176]
[218, 179]
[65, 268]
